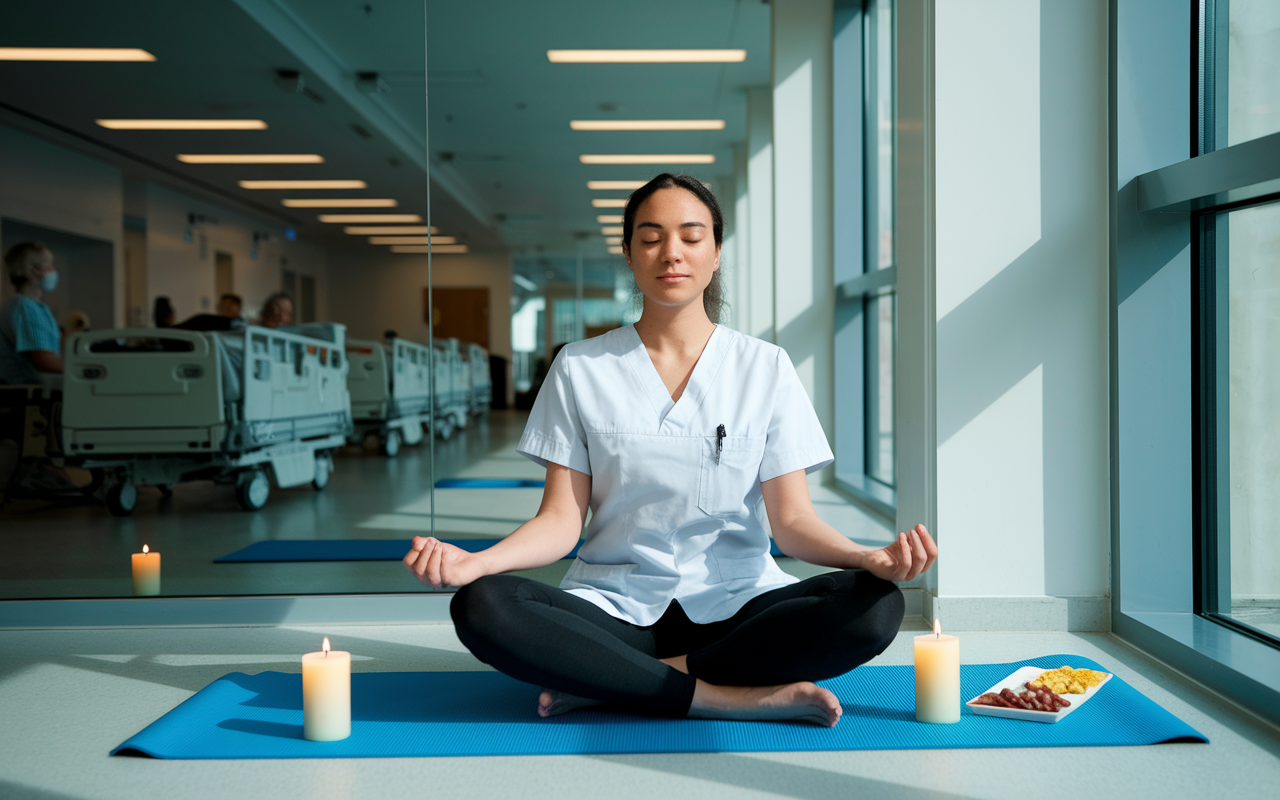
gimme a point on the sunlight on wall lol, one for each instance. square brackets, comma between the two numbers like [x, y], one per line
[988, 141]
[991, 497]
[793, 186]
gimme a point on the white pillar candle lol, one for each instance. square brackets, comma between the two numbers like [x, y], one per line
[326, 694]
[146, 573]
[937, 677]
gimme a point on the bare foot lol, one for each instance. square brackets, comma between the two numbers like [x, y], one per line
[793, 702]
[551, 703]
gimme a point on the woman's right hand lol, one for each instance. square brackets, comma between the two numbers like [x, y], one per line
[438, 564]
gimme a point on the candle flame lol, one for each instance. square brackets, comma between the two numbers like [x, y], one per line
[325, 646]
[937, 627]
[144, 549]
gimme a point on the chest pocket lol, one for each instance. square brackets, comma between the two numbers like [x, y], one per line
[723, 487]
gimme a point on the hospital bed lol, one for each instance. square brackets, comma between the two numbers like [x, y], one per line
[481, 382]
[158, 407]
[390, 391]
[452, 397]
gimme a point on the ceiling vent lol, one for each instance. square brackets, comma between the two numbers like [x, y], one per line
[370, 83]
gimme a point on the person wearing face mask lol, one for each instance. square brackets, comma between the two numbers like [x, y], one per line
[30, 342]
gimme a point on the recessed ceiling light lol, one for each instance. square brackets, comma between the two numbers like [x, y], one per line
[618, 185]
[613, 240]
[647, 124]
[648, 159]
[382, 230]
[351, 218]
[645, 56]
[338, 202]
[615, 251]
[609, 219]
[434, 240]
[447, 249]
[182, 124]
[74, 54]
[259, 158]
[609, 202]
[303, 185]
[611, 230]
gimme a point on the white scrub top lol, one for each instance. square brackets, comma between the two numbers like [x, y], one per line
[668, 521]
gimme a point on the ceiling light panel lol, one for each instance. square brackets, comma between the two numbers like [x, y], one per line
[304, 185]
[405, 230]
[612, 230]
[609, 202]
[613, 240]
[434, 240]
[74, 54]
[183, 124]
[615, 251]
[448, 249]
[609, 219]
[647, 124]
[648, 159]
[646, 56]
[338, 202]
[251, 158]
[624, 186]
[354, 218]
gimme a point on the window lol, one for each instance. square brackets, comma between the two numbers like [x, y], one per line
[866, 269]
[1196, 305]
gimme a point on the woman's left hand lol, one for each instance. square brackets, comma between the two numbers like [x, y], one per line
[912, 554]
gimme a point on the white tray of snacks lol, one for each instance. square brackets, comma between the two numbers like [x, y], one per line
[1028, 699]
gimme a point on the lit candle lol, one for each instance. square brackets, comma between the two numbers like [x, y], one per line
[937, 677]
[146, 573]
[326, 695]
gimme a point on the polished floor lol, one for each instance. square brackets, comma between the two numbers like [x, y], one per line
[68, 697]
[60, 550]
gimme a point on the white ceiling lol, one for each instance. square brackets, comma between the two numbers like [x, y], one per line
[503, 160]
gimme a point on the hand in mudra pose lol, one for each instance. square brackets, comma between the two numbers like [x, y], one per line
[438, 564]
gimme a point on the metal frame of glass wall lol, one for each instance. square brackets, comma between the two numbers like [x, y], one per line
[865, 268]
[1170, 335]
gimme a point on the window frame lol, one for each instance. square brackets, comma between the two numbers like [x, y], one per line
[855, 295]
[1152, 605]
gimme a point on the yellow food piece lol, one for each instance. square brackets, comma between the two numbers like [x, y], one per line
[1066, 680]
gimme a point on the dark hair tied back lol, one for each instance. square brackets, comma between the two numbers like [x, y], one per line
[713, 297]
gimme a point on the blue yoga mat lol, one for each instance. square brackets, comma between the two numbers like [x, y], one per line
[354, 550]
[343, 550]
[489, 483]
[489, 714]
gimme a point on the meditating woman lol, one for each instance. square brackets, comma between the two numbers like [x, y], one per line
[672, 431]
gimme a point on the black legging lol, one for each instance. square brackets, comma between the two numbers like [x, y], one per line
[819, 628]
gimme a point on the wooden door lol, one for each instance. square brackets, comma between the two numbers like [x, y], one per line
[460, 313]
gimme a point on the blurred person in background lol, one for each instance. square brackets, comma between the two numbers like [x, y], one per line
[230, 305]
[162, 313]
[277, 311]
[30, 342]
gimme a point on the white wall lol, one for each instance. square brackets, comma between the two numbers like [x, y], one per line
[184, 271]
[1021, 288]
[376, 290]
[52, 187]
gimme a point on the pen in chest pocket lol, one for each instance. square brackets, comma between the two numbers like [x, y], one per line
[720, 434]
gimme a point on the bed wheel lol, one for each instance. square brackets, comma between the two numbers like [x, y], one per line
[252, 488]
[324, 468]
[122, 498]
[446, 428]
[391, 444]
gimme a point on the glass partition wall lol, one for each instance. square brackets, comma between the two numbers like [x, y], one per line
[309, 285]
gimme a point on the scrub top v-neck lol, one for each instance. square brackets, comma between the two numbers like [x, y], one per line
[676, 509]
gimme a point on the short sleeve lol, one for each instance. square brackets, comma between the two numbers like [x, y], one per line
[35, 329]
[795, 439]
[555, 432]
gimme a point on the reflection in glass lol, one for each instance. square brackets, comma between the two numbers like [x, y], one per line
[1253, 62]
[880, 319]
[1254, 353]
